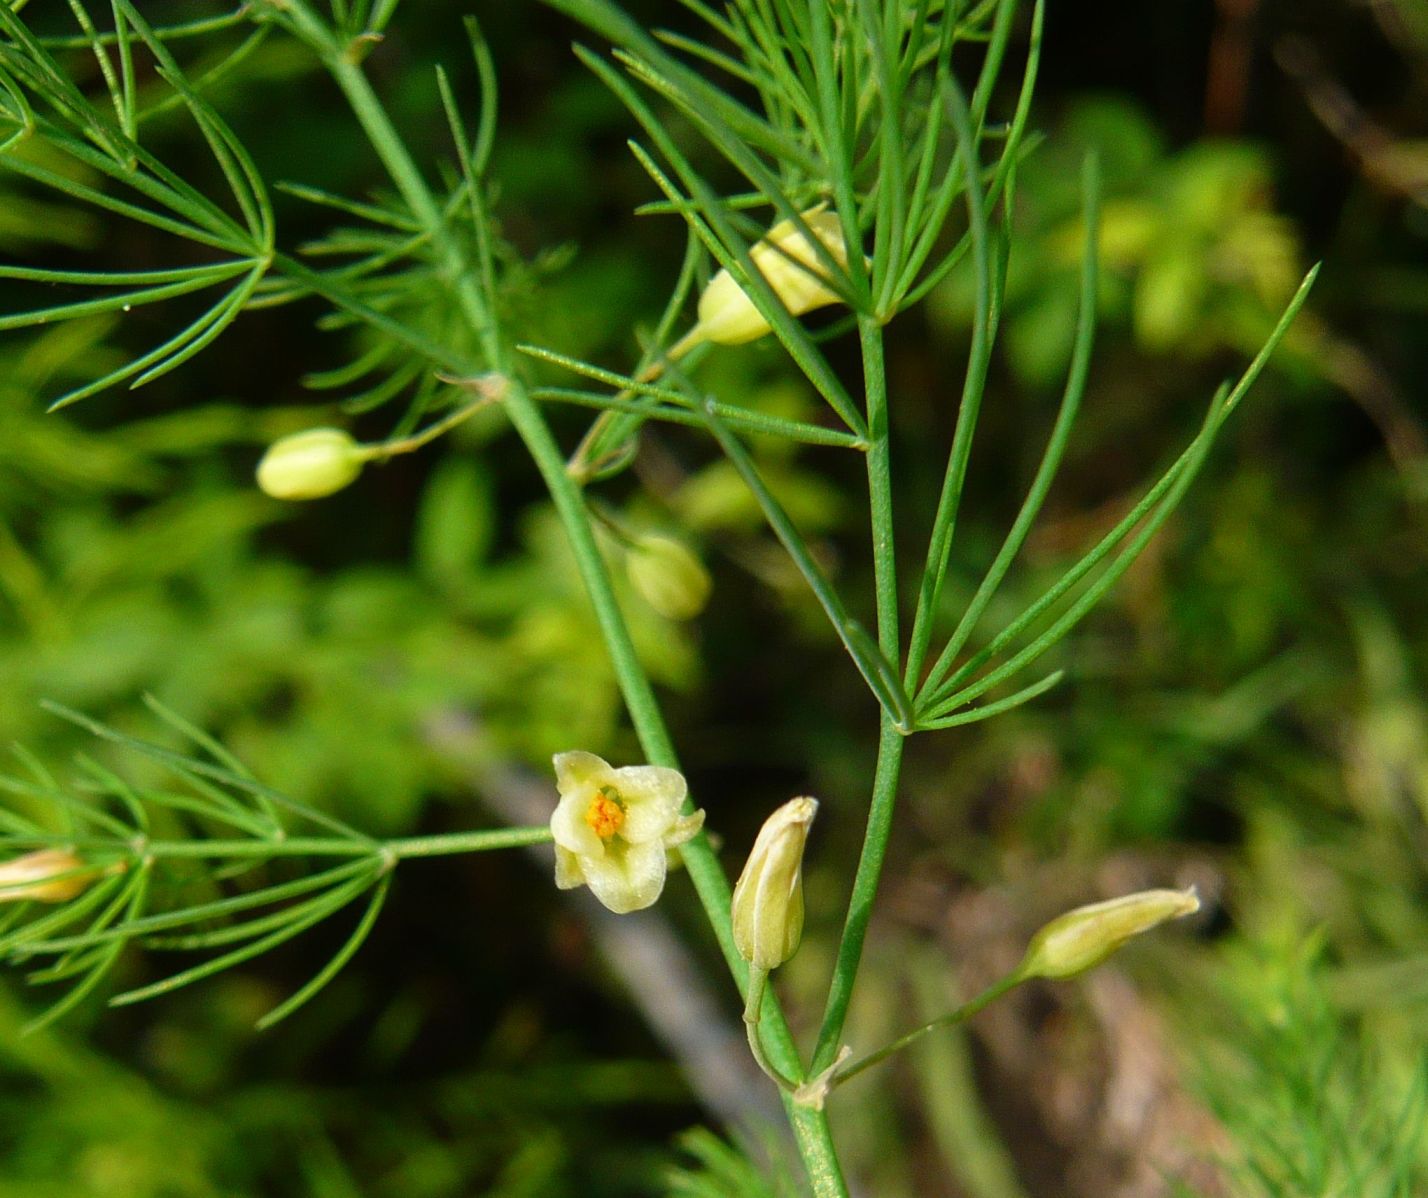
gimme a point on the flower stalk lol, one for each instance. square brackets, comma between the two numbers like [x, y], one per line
[1066, 947]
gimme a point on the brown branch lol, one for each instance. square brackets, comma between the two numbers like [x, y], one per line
[1387, 161]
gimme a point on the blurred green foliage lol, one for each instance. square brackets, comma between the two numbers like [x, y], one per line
[1194, 258]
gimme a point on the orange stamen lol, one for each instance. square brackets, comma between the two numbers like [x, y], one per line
[605, 815]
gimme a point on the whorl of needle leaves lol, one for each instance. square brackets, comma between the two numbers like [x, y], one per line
[207, 859]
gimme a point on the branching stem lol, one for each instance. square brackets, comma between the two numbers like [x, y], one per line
[810, 1127]
[332, 846]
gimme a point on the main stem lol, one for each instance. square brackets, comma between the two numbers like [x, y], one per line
[810, 1127]
[864, 893]
[879, 459]
[891, 737]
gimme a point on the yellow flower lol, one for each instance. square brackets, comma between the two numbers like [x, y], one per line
[1084, 937]
[45, 876]
[311, 464]
[767, 908]
[612, 828]
[790, 263]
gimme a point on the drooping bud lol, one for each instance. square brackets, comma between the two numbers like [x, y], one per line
[311, 464]
[1084, 937]
[669, 577]
[44, 876]
[768, 898]
[790, 263]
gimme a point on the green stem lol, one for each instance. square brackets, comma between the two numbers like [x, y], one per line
[960, 1015]
[810, 1127]
[335, 846]
[870, 335]
[865, 889]
[386, 449]
[944, 523]
[893, 733]
[753, 1015]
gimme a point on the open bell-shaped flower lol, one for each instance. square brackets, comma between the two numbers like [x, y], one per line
[612, 828]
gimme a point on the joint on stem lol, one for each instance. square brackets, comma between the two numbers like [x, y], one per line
[814, 1092]
[361, 46]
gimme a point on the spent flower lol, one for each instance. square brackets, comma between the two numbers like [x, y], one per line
[613, 828]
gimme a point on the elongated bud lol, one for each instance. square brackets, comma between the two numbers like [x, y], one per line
[45, 876]
[790, 263]
[311, 464]
[768, 898]
[668, 576]
[1084, 937]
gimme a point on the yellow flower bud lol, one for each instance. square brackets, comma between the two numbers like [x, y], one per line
[668, 576]
[45, 876]
[768, 898]
[1084, 937]
[311, 464]
[790, 263]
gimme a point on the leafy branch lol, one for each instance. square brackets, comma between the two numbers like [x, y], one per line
[169, 866]
[51, 121]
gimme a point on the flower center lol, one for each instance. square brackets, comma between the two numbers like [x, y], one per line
[606, 813]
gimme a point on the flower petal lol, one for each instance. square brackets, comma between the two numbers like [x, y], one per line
[568, 826]
[686, 827]
[628, 879]
[653, 797]
[578, 770]
[568, 874]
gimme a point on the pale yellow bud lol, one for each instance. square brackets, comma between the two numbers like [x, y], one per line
[1083, 938]
[768, 898]
[668, 576]
[790, 263]
[44, 876]
[311, 464]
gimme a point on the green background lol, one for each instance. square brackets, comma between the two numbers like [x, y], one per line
[1245, 713]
